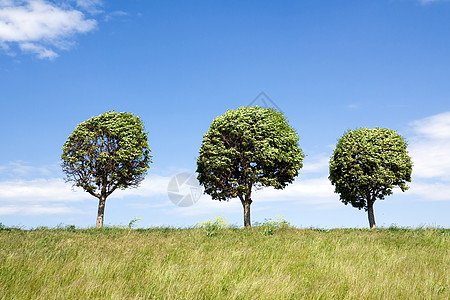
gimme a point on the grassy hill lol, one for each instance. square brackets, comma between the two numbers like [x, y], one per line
[232, 263]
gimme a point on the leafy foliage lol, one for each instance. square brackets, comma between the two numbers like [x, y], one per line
[110, 150]
[367, 164]
[245, 148]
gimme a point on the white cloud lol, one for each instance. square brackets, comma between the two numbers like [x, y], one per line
[434, 191]
[312, 191]
[30, 191]
[41, 51]
[91, 6]
[40, 26]
[205, 207]
[315, 164]
[436, 127]
[34, 210]
[42, 196]
[431, 159]
[152, 186]
[22, 170]
[115, 14]
[39, 191]
[429, 148]
[57, 190]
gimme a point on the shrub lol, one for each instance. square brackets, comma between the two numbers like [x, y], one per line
[212, 228]
[270, 226]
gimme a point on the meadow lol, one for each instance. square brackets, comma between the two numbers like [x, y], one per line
[224, 263]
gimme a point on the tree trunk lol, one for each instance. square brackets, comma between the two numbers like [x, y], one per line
[247, 222]
[246, 201]
[371, 215]
[101, 211]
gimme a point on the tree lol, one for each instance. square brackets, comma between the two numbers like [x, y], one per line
[367, 164]
[245, 148]
[106, 153]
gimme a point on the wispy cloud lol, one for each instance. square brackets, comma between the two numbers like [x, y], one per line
[41, 51]
[42, 27]
[436, 127]
[424, 2]
[315, 164]
[23, 170]
[34, 190]
[35, 210]
[430, 146]
[91, 6]
[431, 191]
[115, 14]
[429, 149]
[311, 191]
[42, 196]
[39, 191]
[152, 186]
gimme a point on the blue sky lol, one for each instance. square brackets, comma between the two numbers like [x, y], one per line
[328, 65]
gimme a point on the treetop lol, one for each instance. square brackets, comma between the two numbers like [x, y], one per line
[245, 147]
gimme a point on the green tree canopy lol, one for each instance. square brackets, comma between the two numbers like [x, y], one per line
[105, 153]
[367, 164]
[245, 148]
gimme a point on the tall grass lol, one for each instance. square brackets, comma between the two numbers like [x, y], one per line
[168, 263]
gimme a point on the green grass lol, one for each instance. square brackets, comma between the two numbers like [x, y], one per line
[168, 263]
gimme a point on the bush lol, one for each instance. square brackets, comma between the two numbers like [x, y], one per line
[270, 226]
[212, 228]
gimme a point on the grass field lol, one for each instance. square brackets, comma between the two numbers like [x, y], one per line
[232, 263]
